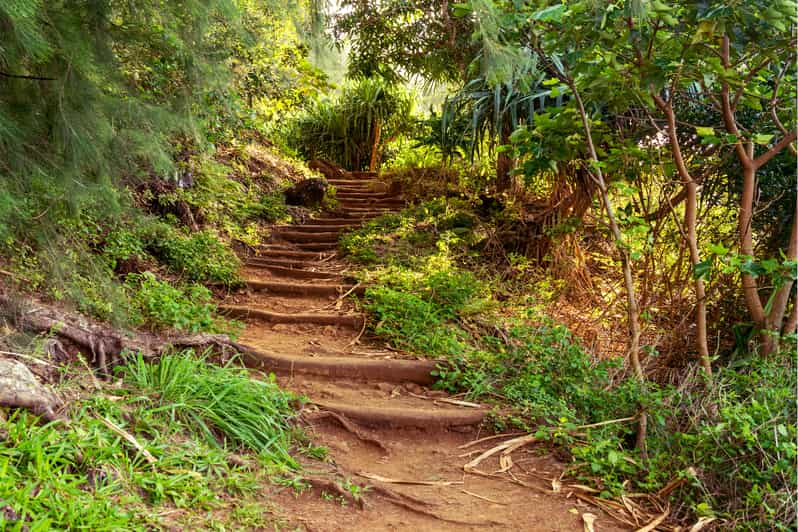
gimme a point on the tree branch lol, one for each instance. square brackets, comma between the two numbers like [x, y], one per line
[772, 152]
[20, 76]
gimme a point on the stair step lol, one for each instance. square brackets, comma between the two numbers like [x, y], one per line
[315, 228]
[317, 247]
[384, 370]
[305, 236]
[263, 262]
[354, 321]
[264, 252]
[292, 273]
[304, 289]
[442, 418]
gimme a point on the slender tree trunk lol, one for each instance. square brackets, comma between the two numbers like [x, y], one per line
[504, 163]
[690, 223]
[633, 312]
[375, 145]
[691, 208]
[767, 321]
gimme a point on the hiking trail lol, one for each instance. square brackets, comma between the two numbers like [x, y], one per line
[373, 407]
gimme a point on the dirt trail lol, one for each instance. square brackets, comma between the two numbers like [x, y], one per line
[372, 407]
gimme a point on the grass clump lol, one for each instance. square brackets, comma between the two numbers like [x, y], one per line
[188, 414]
[223, 404]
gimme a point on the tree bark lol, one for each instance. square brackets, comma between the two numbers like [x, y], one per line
[690, 222]
[504, 163]
[375, 145]
[633, 311]
[767, 321]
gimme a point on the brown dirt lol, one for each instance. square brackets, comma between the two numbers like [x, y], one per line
[370, 407]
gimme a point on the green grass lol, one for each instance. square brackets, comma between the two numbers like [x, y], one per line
[223, 404]
[189, 414]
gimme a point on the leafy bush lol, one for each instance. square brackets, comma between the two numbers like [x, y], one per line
[409, 322]
[740, 441]
[200, 257]
[163, 305]
[220, 403]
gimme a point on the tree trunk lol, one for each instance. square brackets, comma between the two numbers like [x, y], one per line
[375, 145]
[633, 311]
[691, 236]
[691, 208]
[504, 163]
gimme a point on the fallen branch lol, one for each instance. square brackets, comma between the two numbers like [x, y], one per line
[482, 497]
[106, 345]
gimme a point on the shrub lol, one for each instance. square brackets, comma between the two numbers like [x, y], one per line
[200, 257]
[343, 129]
[409, 322]
[163, 305]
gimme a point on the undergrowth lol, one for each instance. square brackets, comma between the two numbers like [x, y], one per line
[433, 296]
[189, 415]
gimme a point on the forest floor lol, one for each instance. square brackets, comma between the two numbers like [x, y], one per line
[397, 447]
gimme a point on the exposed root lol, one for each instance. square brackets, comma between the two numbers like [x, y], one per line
[348, 426]
[332, 487]
[413, 504]
[106, 345]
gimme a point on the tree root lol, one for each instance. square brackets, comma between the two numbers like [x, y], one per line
[332, 487]
[348, 426]
[106, 345]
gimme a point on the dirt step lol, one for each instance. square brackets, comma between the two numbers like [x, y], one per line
[359, 214]
[292, 273]
[354, 321]
[303, 289]
[265, 262]
[334, 219]
[363, 174]
[356, 194]
[265, 252]
[315, 228]
[392, 417]
[396, 205]
[372, 201]
[305, 236]
[382, 370]
[317, 247]
[352, 182]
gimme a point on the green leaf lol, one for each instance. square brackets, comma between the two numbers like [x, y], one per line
[761, 138]
[705, 131]
[701, 270]
[550, 14]
[718, 249]
[461, 10]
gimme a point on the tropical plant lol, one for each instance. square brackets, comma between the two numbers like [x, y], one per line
[354, 128]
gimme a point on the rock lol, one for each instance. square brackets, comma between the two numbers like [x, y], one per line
[20, 389]
[307, 193]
